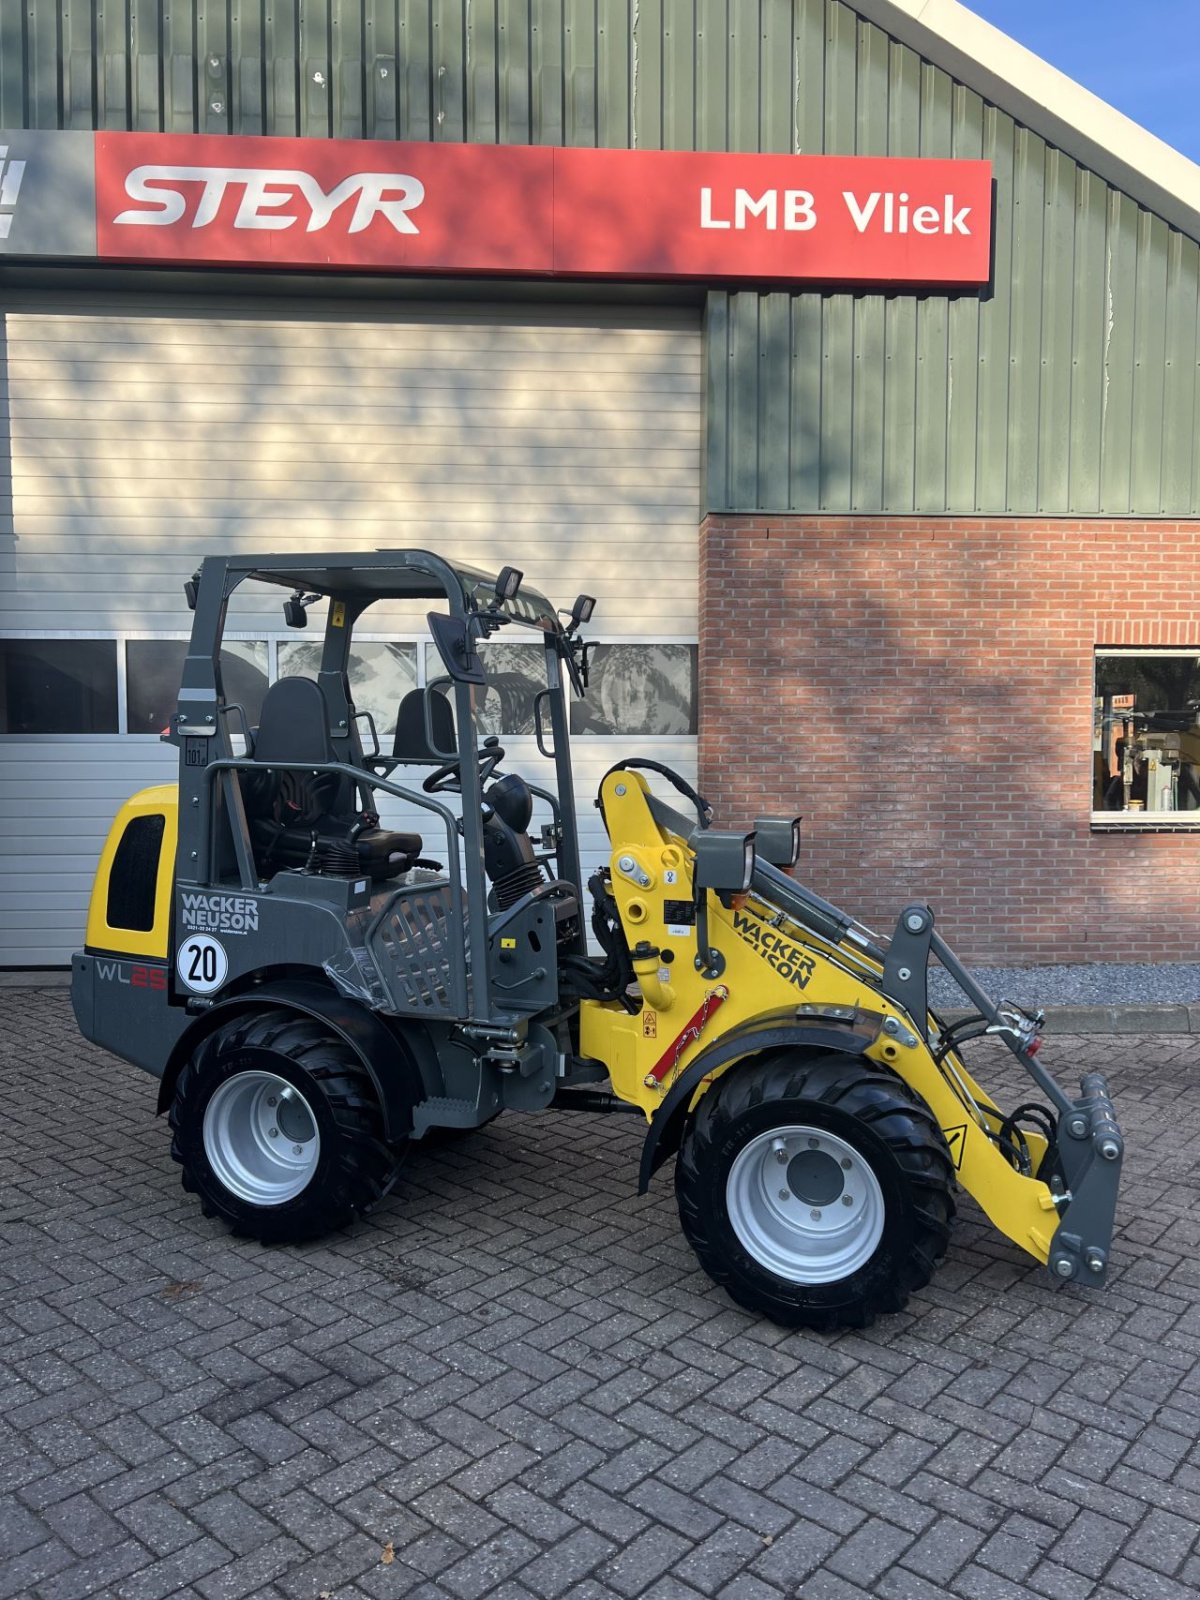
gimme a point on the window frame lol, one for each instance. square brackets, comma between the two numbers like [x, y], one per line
[1142, 821]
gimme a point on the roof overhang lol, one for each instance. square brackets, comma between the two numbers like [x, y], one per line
[1046, 101]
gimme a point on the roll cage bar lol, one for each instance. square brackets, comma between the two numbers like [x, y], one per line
[353, 581]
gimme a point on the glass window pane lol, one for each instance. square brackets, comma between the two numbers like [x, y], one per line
[58, 686]
[133, 877]
[381, 674]
[154, 667]
[516, 674]
[1146, 733]
[638, 689]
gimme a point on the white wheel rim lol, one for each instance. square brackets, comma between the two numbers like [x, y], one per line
[261, 1138]
[805, 1204]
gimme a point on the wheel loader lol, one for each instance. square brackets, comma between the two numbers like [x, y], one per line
[318, 991]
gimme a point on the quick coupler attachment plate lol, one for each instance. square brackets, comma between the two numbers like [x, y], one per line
[1089, 1153]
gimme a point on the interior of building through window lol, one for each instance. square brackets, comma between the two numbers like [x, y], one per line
[1146, 733]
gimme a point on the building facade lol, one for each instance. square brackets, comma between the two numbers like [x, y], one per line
[914, 557]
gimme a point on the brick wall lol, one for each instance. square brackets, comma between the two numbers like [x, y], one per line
[921, 691]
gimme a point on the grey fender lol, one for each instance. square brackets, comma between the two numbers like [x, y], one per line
[393, 1065]
[782, 1031]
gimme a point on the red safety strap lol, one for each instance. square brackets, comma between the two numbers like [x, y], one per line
[670, 1058]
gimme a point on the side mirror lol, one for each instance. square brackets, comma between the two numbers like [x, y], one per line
[294, 613]
[456, 648]
[581, 611]
[778, 840]
[724, 861]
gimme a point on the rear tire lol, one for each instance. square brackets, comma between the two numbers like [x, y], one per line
[278, 1128]
[816, 1189]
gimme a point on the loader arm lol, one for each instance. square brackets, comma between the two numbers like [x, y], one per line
[784, 969]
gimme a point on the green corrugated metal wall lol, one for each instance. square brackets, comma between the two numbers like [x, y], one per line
[1074, 388]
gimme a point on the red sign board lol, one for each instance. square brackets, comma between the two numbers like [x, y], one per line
[523, 210]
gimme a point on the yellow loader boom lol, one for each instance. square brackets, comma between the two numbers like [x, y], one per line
[766, 982]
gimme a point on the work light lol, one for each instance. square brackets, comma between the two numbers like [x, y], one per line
[724, 861]
[778, 840]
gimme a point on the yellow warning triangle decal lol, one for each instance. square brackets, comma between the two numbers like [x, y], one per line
[956, 1138]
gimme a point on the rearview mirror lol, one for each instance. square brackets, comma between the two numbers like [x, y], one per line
[456, 648]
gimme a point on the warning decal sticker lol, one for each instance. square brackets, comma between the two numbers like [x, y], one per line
[956, 1138]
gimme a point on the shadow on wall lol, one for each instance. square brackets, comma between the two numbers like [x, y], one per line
[923, 693]
[238, 432]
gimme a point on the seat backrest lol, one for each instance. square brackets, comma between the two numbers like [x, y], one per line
[294, 726]
[294, 723]
[410, 742]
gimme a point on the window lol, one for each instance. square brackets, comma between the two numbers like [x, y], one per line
[154, 667]
[634, 689]
[131, 685]
[638, 689]
[516, 676]
[381, 674]
[133, 877]
[1146, 737]
[58, 686]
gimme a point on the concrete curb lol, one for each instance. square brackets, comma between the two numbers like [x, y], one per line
[1128, 1019]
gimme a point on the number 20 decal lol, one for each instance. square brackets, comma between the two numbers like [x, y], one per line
[201, 964]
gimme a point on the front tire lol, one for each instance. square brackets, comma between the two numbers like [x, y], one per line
[278, 1128]
[816, 1188]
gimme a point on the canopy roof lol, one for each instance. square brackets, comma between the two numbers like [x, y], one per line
[361, 577]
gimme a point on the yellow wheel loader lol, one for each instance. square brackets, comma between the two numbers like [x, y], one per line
[317, 990]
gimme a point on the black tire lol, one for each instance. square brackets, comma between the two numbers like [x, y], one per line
[888, 1129]
[353, 1164]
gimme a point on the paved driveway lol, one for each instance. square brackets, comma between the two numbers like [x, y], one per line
[515, 1381]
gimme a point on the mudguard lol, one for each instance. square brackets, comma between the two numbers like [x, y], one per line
[851, 1035]
[393, 1067]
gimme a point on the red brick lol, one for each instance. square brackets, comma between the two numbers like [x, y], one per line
[921, 690]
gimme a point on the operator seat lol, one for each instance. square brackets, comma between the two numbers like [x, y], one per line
[309, 819]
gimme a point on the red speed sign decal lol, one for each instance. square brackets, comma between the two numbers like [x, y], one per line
[532, 210]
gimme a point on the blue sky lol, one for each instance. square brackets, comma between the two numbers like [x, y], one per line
[1142, 56]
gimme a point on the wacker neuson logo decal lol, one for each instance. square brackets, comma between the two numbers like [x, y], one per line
[219, 913]
[788, 959]
[11, 173]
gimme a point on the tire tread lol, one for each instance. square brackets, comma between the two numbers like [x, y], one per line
[362, 1162]
[874, 1097]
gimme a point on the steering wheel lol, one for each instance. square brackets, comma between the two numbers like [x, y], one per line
[448, 779]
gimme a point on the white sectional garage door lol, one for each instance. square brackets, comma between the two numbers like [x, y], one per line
[564, 442]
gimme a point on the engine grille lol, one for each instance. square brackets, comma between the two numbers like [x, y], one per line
[422, 954]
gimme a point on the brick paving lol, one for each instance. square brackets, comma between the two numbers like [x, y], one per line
[514, 1380]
